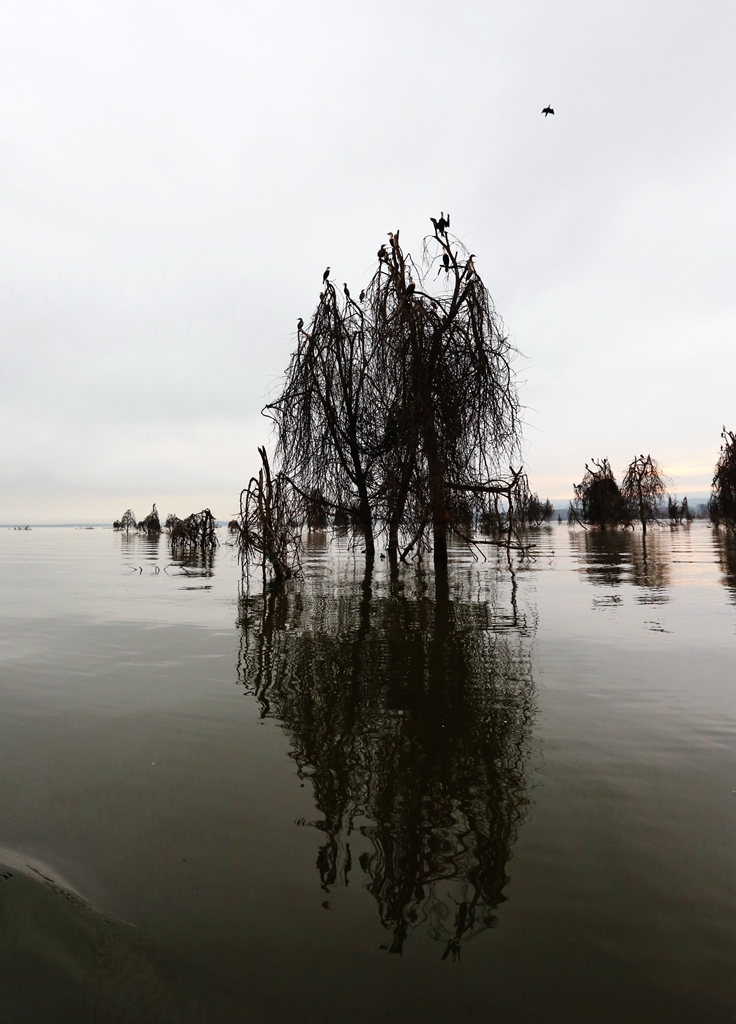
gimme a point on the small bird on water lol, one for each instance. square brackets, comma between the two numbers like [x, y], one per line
[548, 110]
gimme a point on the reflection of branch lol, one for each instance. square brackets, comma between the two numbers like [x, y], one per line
[413, 715]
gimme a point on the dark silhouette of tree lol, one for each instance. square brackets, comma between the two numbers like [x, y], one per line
[678, 512]
[722, 505]
[126, 522]
[195, 535]
[270, 523]
[151, 525]
[410, 717]
[643, 490]
[598, 500]
[399, 410]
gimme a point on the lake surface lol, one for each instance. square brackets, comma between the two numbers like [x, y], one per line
[508, 796]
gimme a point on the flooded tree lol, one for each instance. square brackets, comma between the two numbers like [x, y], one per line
[722, 505]
[399, 410]
[195, 535]
[643, 490]
[126, 522]
[598, 500]
[678, 512]
[270, 523]
[151, 525]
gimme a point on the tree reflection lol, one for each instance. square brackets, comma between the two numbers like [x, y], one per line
[410, 714]
[725, 544]
[613, 558]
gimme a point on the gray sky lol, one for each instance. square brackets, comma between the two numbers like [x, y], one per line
[176, 176]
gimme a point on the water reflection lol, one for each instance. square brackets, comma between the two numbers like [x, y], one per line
[725, 545]
[409, 711]
[613, 558]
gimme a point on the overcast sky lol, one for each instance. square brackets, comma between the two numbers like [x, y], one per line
[174, 177]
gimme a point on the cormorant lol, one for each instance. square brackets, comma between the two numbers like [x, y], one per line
[382, 254]
[410, 288]
[548, 110]
[446, 261]
[470, 266]
[300, 324]
[443, 223]
[346, 290]
[362, 295]
[325, 276]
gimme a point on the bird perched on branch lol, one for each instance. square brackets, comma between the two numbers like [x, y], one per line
[362, 295]
[470, 266]
[382, 254]
[548, 110]
[443, 223]
[325, 276]
[410, 288]
[346, 290]
[300, 324]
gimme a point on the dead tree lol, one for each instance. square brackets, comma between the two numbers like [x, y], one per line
[197, 534]
[151, 525]
[325, 431]
[399, 410]
[598, 500]
[126, 522]
[270, 523]
[722, 505]
[643, 490]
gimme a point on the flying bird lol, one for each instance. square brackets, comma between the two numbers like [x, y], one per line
[548, 110]
[325, 276]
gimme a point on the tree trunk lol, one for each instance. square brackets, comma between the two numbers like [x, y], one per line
[437, 490]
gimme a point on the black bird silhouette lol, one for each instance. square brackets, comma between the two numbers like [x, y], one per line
[346, 290]
[362, 295]
[548, 110]
[299, 324]
[442, 224]
[325, 275]
[382, 254]
[410, 288]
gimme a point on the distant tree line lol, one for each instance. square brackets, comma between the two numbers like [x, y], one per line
[600, 502]
[195, 534]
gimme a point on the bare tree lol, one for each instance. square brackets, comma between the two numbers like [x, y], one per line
[722, 505]
[399, 410]
[197, 534]
[269, 528]
[643, 490]
[598, 500]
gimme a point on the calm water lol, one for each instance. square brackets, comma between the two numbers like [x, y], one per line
[510, 798]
